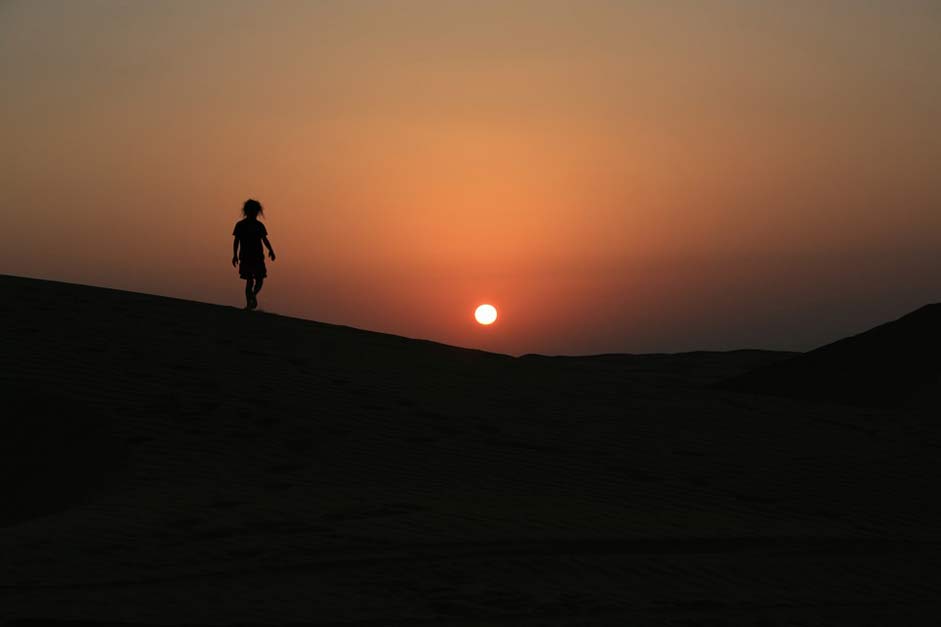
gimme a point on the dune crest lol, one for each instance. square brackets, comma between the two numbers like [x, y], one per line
[893, 364]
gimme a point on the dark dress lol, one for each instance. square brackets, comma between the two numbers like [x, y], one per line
[249, 233]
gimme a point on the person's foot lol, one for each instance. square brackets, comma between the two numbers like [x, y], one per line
[252, 302]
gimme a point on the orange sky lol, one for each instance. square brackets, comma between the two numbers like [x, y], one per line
[613, 176]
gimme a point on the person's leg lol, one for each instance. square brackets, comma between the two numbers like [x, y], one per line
[249, 283]
[258, 283]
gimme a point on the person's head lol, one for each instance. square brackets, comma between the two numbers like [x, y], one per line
[252, 208]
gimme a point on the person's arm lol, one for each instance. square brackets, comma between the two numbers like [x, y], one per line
[268, 246]
[235, 251]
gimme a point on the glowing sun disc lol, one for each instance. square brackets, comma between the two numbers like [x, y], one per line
[485, 314]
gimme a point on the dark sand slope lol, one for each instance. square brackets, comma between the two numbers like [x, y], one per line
[163, 470]
[897, 363]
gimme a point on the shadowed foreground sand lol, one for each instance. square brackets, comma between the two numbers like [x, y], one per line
[367, 479]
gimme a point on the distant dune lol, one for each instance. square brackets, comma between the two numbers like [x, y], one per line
[166, 462]
[894, 364]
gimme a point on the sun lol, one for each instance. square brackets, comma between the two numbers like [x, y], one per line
[485, 314]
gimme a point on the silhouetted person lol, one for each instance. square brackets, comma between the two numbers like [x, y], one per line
[247, 252]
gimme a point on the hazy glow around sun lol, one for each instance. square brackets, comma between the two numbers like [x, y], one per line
[485, 314]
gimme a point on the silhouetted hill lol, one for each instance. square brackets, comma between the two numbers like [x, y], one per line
[165, 462]
[895, 363]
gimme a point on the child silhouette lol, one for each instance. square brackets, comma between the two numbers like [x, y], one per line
[250, 234]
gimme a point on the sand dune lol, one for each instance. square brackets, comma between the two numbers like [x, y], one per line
[170, 462]
[894, 364]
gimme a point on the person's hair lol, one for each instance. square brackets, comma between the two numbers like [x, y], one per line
[252, 208]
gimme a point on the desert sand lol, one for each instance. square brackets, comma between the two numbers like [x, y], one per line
[170, 462]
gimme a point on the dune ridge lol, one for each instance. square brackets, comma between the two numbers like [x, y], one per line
[890, 365]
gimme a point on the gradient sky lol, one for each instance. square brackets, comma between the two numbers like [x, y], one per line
[613, 176]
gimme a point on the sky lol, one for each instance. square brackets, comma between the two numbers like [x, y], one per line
[613, 176]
